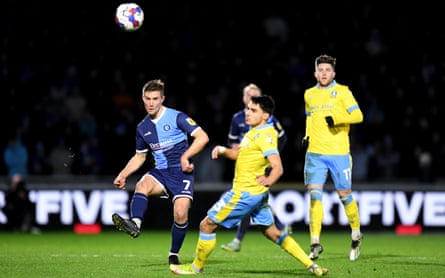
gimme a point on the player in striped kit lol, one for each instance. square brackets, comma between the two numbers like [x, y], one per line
[162, 134]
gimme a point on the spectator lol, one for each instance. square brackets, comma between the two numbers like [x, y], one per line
[15, 157]
[19, 209]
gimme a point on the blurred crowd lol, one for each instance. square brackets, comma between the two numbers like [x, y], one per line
[71, 82]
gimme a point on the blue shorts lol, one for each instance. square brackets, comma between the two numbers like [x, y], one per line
[233, 206]
[317, 167]
[175, 181]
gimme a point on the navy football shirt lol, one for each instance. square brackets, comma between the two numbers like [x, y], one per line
[166, 137]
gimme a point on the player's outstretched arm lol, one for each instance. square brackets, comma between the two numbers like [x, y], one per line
[230, 153]
[132, 165]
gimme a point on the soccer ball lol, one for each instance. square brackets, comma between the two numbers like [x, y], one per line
[129, 16]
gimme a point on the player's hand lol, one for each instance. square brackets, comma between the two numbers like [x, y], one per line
[329, 121]
[305, 142]
[262, 180]
[218, 150]
[120, 182]
[186, 165]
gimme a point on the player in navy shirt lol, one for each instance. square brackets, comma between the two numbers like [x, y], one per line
[163, 137]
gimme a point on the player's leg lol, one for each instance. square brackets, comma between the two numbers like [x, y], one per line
[242, 228]
[181, 186]
[315, 175]
[180, 224]
[294, 249]
[352, 213]
[207, 236]
[284, 228]
[316, 219]
[343, 185]
[278, 222]
[204, 247]
[264, 217]
[206, 242]
[235, 244]
[146, 186]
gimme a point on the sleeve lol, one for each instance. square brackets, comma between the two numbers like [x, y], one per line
[141, 145]
[282, 136]
[282, 140]
[308, 116]
[186, 124]
[269, 143]
[234, 133]
[350, 112]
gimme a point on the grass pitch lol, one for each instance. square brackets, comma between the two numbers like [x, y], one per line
[115, 254]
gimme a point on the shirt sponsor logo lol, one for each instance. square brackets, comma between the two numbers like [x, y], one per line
[190, 121]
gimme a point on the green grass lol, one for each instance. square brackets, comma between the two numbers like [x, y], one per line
[113, 254]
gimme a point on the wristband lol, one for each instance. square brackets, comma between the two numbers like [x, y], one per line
[221, 149]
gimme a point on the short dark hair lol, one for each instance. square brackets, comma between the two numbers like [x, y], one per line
[154, 85]
[325, 59]
[266, 102]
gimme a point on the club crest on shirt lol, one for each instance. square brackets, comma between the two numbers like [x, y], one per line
[269, 139]
[244, 142]
[190, 121]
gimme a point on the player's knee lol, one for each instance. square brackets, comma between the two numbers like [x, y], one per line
[346, 199]
[180, 216]
[316, 194]
[207, 225]
[148, 186]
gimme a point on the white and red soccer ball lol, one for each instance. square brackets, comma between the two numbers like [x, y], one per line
[129, 16]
